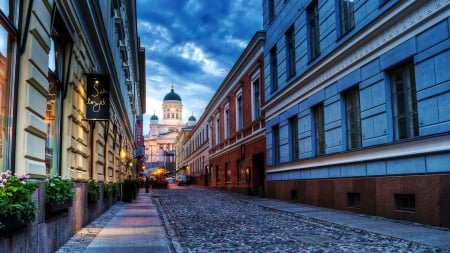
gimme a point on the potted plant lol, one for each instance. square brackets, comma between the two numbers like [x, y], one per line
[115, 189]
[58, 193]
[93, 191]
[128, 190]
[16, 207]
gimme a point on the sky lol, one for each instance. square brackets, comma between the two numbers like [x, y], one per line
[192, 44]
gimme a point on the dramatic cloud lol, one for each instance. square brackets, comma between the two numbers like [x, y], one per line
[192, 44]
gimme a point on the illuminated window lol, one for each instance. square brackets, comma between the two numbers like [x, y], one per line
[60, 47]
[8, 44]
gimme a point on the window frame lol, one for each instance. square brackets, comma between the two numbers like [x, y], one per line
[276, 158]
[319, 129]
[226, 126]
[352, 106]
[313, 26]
[218, 129]
[400, 88]
[9, 24]
[273, 69]
[239, 110]
[256, 96]
[290, 52]
[293, 138]
[346, 16]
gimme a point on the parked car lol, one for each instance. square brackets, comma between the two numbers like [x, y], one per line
[182, 180]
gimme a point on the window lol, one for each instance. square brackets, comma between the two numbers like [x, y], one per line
[239, 111]
[227, 122]
[353, 118]
[8, 44]
[290, 52]
[353, 200]
[347, 16]
[256, 108]
[227, 173]
[217, 129]
[271, 10]
[405, 202]
[276, 144]
[313, 29]
[273, 69]
[404, 102]
[293, 138]
[319, 128]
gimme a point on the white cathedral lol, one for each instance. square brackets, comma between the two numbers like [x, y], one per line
[160, 142]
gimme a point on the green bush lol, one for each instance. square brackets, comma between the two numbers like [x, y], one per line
[108, 190]
[15, 198]
[93, 190]
[58, 189]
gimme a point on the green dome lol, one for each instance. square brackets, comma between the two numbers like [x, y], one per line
[154, 117]
[172, 96]
[192, 118]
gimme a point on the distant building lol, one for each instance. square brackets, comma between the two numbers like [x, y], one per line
[226, 148]
[357, 100]
[160, 142]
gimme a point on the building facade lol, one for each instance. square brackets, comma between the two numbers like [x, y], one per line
[225, 149]
[72, 89]
[356, 100]
[160, 142]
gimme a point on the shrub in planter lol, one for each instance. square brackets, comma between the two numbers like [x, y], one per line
[58, 193]
[115, 189]
[93, 191]
[16, 206]
[128, 190]
[136, 188]
[107, 190]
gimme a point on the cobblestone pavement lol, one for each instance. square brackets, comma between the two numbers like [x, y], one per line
[79, 242]
[208, 220]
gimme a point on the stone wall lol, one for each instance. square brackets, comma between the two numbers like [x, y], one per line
[50, 231]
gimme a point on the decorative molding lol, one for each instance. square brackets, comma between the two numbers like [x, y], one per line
[386, 33]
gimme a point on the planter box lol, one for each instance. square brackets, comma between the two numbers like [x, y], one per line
[53, 207]
[11, 222]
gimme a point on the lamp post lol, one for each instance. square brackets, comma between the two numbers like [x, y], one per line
[123, 157]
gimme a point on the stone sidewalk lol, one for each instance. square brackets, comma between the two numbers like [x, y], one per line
[125, 227]
[199, 219]
[414, 232]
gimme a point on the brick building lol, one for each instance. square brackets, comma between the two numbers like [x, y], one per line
[225, 149]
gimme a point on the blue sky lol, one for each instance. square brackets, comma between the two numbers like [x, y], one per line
[192, 44]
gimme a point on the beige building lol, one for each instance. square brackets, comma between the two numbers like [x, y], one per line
[54, 56]
[160, 143]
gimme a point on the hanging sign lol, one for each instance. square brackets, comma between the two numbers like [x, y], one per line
[97, 103]
[140, 152]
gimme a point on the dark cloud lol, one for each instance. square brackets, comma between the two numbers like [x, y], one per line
[193, 43]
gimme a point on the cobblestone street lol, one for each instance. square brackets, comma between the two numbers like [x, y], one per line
[206, 220]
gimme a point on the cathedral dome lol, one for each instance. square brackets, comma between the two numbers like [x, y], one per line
[172, 96]
[192, 118]
[154, 117]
